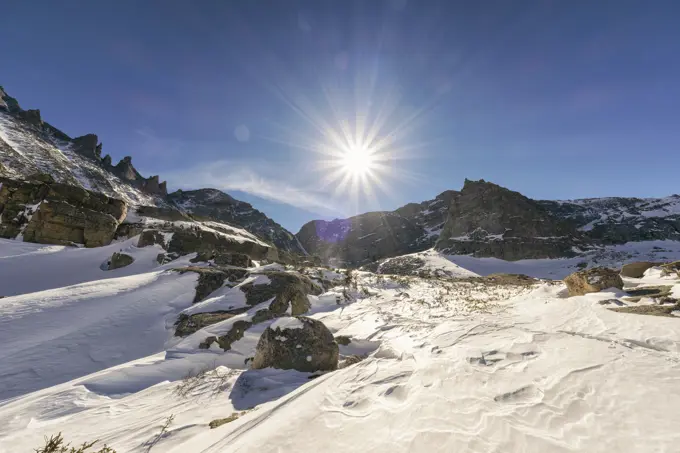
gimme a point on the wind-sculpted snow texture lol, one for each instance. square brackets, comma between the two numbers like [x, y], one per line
[446, 361]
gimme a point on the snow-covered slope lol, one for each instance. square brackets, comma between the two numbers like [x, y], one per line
[24, 150]
[452, 364]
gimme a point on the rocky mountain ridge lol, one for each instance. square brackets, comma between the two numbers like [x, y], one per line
[34, 154]
[487, 220]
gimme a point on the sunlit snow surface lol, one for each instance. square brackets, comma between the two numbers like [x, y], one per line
[451, 366]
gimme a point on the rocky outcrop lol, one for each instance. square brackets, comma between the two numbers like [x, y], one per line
[54, 213]
[377, 235]
[87, 146]
[300, 343]
[488, 220]
[592, 281]
[32, 117]
[617, 220]
[127, 172]
[637, 269]
[362, 239]
[119, 260]
[287, 289]
[8, 103]
[187, 239]
[212, 204]
[224, 259]
[154, 186]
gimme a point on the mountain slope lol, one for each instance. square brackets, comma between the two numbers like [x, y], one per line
[375, 235]
[31, 148]
[217, 205]
[485, 219]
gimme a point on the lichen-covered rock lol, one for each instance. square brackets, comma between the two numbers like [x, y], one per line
[298, 343]
[592, 281]
[637, 269]
[119, 260]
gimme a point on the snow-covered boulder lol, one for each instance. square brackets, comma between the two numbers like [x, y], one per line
[592, 281]
[298, 343]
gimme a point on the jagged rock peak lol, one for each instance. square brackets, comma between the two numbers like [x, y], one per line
[7, 102]
[31, 117]
[125, 171]
[88, 146]
[153, 186]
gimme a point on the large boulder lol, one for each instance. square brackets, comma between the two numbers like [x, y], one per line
[55, 213]
[637, 269]
[298, 343]
[592, 281]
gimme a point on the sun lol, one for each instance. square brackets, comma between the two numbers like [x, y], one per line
[357, 160]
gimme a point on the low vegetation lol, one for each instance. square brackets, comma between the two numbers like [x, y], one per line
[55, 444]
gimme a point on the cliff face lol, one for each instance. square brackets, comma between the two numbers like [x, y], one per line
[484, 219]
[488, 220]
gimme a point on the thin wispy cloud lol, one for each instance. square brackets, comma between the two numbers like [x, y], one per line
[254, 178]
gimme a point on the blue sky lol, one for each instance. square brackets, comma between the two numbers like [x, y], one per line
[555, 99]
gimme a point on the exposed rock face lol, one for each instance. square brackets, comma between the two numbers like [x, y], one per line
[592, 281]
[119, 260]
[289, 291]
[225, 259]
[127, 172]
[300, 343]
[216, 205]
[86, 146]
[637, 269]
[618, 220]
[484, 219]
[362, 239]
[31, 117]
[58, 213]
[204, 241]
[489, 220]
[8, 103]
[376, 235]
